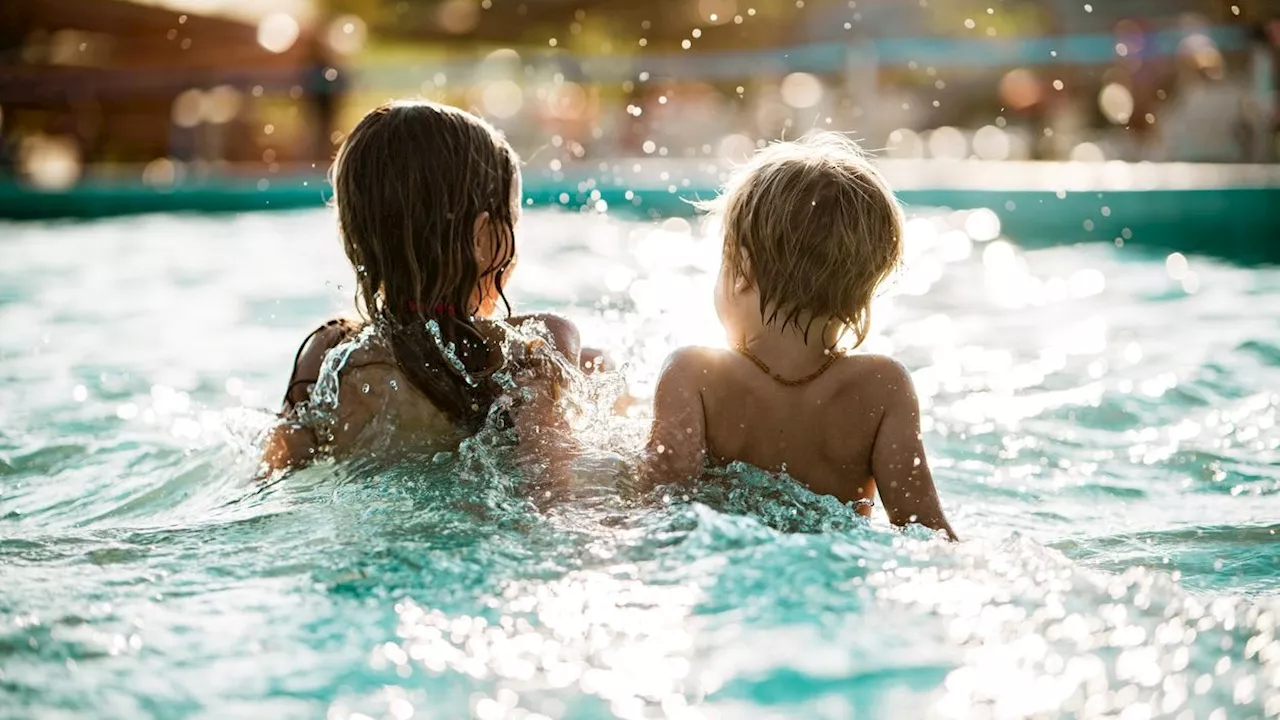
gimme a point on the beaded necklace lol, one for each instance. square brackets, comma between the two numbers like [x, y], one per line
[831, 359]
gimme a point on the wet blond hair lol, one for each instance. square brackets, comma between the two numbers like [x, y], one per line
[814, 226]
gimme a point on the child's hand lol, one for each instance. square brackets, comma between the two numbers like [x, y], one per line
[287, 445]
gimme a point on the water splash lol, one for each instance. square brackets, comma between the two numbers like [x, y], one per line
[320, 409]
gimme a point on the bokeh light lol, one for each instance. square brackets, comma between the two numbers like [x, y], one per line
[502, 98]
[221, 104]
[347, 34]
[1203, 54]
[161, 173]
[458, 17]
[983, 225]
[50, 162]
[801, 90]
[1116, 102]
[905, 144]
[188, 108]
[948, 143]
[991, 143]
[1087, 152]
[736, 147]
[1020, 89]
[717, 12]
[278, 32]
[567, 101]
[503, 62]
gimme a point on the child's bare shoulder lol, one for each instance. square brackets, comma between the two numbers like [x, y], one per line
[880, 377]
[311, 356]
[693, 363]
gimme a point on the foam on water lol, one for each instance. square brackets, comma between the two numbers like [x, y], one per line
[1103, 435]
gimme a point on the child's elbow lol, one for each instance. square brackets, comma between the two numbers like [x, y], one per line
[287, 446]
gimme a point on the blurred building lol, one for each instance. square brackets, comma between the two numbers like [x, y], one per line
[1001, 79]
[107, 82]
[170, 94]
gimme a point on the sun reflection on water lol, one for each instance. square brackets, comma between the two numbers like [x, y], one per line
[607, 635]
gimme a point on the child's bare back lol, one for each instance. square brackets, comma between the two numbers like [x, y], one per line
[810, 232]
[857, 422]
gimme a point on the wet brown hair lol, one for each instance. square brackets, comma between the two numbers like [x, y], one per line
[410, 182]
[814, 226]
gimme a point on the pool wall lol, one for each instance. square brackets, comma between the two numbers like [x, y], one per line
[1228, 211]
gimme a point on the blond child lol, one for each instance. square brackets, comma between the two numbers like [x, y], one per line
[811, 230]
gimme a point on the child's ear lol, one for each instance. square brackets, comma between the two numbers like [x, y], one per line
[482, 236]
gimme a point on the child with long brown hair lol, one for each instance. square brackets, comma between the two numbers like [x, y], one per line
[428, 197]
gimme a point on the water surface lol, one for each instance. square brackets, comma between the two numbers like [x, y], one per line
[1102, 424]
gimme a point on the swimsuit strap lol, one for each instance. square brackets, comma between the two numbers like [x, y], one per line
[831, 360]
[348, 329]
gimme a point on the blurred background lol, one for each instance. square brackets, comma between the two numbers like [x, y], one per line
[170, 92]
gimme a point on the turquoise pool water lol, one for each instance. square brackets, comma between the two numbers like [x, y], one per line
[1102, 422]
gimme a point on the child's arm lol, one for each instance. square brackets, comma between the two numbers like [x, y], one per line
[677, 444]
[288, 444]
[898, 462]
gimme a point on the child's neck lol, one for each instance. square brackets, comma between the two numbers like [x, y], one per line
[785, 349]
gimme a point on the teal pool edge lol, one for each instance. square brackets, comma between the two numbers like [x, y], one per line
[1238, 223]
